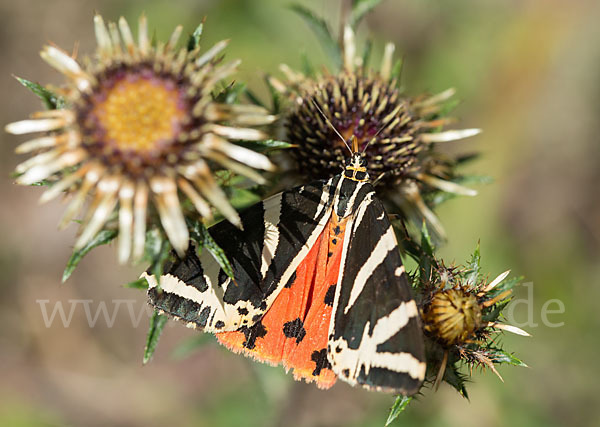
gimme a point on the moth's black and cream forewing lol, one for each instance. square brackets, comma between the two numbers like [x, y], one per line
[375, 337]
[277, 235]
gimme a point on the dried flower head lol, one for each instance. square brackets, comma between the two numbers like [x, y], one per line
[396, 132]
[140, 123]
[461, 313]
[453, 316]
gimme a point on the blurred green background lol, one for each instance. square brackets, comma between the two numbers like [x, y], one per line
[527, 72]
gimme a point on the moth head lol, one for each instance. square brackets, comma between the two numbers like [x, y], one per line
[356, 166]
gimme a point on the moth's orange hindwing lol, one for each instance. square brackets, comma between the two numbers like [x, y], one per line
[294, 329]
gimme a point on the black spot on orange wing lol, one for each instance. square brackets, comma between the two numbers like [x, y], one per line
[294, 329]
[252, 333]
[321, 362]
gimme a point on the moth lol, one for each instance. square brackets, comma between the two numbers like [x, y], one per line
[319, 286]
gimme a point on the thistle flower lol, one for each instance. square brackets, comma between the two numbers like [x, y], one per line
[397, 133]
[461, 315]
[140, 124]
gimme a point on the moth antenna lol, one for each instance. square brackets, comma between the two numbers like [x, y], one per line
[331, 125]
[373, 138]
[379, 178]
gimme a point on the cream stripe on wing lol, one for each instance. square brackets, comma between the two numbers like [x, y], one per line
[366, 354]
[272, 213]
[386, 243]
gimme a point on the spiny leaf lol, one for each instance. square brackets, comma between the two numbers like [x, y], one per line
[457, 380]
[51, 100]
[230, 93]
[473, 267]
[500, 356]
[503, 286]
[491, 314]
[156, 251]
[399, 406]
[427, 250]
[426, 243]
[102, 238]
[157, 323]
[194, 40]
[359, 9]
[321, 30]
[200, 234]
[141, 283]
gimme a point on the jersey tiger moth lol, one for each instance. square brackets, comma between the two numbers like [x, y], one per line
[319, 287]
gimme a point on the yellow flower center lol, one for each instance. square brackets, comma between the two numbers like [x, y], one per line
[140, 115]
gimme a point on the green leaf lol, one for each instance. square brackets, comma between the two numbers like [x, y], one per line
[140, 283]
[187, 347]
[473, 268]
[156, 251]
[503, 286]
[359, 9]
[42, 183]
[397, 69]
[467, 158]
[194, 40]
[51, 100]
[491, 314]
[500, 356]
[367, 53]
[307, 67]
[457, 380]
[426, 243]
[427, 257]
[200, 234]
[321, 30]
[102, 238]
[230, 93]
[157, 323]
[399, 406]
[254, 98]
[241, 198]
[275, 96]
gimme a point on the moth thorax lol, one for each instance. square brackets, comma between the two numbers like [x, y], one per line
[356, 169]
[357, 174]
[453, 316]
